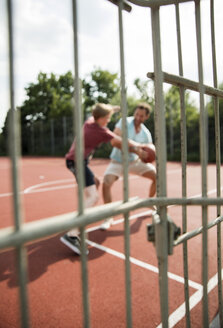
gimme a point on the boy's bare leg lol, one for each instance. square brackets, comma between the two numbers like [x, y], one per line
[91, 198]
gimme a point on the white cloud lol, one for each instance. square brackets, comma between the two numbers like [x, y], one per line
[44, 41]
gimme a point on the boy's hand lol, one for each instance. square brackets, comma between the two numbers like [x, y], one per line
[116, 109]
[97, 182]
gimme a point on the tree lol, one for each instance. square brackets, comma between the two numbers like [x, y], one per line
[145, 94]
[4, 137]
[99, 86]
[48, 98]
[211, 127]
[51, 98]
[173, 119]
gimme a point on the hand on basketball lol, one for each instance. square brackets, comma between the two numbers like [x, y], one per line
[142, 154]
[148, 154]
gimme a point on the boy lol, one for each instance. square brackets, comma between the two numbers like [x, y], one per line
[95, 132]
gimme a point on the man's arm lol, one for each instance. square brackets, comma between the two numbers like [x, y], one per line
[134, 147]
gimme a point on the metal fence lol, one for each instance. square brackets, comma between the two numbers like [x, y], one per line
[53, 137]
[18, 236]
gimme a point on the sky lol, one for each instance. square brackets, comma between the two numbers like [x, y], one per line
[43, 39]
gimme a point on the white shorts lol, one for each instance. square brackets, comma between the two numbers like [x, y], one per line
[136, 167]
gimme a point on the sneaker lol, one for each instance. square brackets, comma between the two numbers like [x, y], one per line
[73, 243]
[106, 224]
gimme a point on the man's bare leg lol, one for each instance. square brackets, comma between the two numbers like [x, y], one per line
[106, 187]
[151, 175]
[107, 197]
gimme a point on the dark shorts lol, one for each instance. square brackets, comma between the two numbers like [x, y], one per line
[88, 174]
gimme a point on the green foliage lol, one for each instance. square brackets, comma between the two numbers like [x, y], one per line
[48, 98]
[99, 86]
[4, 136]
[47, 113]
[146, 95]
[173, 125]
[211, 123]
[2, 145]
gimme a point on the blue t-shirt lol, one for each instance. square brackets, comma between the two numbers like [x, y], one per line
[143, 136]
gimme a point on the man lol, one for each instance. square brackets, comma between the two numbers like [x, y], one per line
[95, 132]
[138, 132]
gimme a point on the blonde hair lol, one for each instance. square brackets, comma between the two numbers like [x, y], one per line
[101, 110]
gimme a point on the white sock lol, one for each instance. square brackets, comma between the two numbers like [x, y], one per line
[73, 233]
[91, 196]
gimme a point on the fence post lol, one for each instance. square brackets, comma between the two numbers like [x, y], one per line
[52, 136]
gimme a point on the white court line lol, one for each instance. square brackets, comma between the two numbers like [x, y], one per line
[7, 194]
[142, 264]
[38, 187]
[180, 312]
[147, 266]
[34, 188]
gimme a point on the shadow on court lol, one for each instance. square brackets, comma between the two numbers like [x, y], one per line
[99, 236]
[41, 255]
[45, 253]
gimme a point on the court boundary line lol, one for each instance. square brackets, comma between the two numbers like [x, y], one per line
[194, 299]
[178, 314]
[31, 189]
[142, 264]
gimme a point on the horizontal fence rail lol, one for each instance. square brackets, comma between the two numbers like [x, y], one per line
[156, 3]
[23, 233]
[188, 84]
[42, 228]
[197, 231]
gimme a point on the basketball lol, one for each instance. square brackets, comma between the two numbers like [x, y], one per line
[151, 151]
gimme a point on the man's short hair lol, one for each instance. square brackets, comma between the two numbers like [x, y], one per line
[144, 106]
[101, 110]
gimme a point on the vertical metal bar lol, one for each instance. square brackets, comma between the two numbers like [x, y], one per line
[171, 130]
[79, 162]
[84, 278]
[203, 159]
[184, 166]
[123, 105]
[52, 136]
[32, 138]
[15, 153]
[125, 170]
[78, 116]
[64, 131]
[218, 159]
[41, 136]
[160, 141]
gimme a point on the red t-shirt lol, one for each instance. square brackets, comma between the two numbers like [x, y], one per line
[93, 135]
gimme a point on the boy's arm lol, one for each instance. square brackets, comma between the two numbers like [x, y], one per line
[134, 147]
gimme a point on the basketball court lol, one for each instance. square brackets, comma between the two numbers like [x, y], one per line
[54, 283]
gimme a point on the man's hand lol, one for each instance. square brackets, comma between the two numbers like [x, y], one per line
[150, 151]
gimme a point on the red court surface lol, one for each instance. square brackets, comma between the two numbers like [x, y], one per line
[54, 287]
